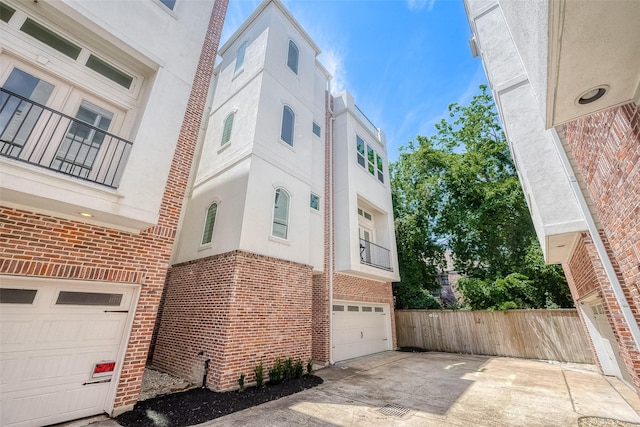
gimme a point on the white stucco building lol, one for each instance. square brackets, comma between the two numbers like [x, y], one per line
[100, 111]
[565, 76]
[287, 244]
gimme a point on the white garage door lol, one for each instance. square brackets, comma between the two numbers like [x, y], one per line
[60, 346]
[360, 329]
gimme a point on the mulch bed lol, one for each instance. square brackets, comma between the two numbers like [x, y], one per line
[199, 405]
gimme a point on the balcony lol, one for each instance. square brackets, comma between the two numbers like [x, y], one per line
[374, 255]
[38, 135]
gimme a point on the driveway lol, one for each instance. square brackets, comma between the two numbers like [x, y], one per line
[443, 389]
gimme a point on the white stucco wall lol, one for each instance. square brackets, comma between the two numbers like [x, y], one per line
[161, 48]
[555, 211]
[355, 186]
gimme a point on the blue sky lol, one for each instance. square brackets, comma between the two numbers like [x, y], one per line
[404, 61]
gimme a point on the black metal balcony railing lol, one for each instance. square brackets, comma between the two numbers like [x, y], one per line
[38, 135]
[374, 255]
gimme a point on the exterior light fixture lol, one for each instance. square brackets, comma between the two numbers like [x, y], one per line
[592, 95]
[86, 215]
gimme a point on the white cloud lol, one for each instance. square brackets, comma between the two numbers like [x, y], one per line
[333, 61]
[420, 4]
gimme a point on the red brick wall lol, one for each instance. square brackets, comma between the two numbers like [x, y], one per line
[351, 288]
[606, 147]
[45, 246]
[239, 309]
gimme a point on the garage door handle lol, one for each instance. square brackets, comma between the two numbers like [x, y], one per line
[116, 311]
[98, 382]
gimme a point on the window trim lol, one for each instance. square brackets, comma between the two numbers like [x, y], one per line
[293, 125]
[273, 214]
[209, 243]
[297, 57]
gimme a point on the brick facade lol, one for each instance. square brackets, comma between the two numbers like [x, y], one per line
[606, 147]
[40, 245]
[237, 309]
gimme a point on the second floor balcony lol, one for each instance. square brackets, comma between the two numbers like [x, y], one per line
[80, 147]
[375, 255]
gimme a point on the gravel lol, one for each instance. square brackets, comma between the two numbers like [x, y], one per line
[156, 383]
[603, 422]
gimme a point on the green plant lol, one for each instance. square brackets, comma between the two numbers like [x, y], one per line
[241, 382]
[276, 372]
[259, 373]
[309, 366]
[298, 369]
[288, 369]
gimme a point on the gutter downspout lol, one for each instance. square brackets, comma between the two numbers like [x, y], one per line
[597, 240]
[331, 172]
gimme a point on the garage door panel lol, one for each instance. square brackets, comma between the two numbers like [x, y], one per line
[363, 329]
[49, 350]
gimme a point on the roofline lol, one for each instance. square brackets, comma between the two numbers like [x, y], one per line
[256, 13]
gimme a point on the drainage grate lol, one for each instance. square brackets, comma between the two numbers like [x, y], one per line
[394, 410]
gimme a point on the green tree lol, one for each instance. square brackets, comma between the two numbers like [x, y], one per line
[458, 190]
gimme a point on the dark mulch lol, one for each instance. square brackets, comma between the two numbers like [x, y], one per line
[413, 350]
[199, 405]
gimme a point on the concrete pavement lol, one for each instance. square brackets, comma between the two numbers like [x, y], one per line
[443, 389]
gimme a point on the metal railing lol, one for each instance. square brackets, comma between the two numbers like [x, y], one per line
[374, 255]
[38, 135]
[368, 123]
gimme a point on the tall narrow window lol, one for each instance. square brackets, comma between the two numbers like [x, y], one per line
[360, 149]
[292, 57]
[228, 125]
[240, 57]
[207, 234]
[288, 122]
[280, 214]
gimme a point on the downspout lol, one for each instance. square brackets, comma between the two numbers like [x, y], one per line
[597, 240]
[331, 172]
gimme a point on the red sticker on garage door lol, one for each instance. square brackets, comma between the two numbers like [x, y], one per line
[103, 369]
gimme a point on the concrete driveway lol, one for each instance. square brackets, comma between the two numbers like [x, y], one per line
[443, 389]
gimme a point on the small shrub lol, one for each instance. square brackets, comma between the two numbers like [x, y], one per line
[288, 369]
[276, 372]
[259, 372]
[241, 382]
[309, 367]
[298, 369]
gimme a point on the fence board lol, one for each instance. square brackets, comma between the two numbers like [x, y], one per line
[532, 334]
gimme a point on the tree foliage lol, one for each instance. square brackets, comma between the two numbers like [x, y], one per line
[458, 190]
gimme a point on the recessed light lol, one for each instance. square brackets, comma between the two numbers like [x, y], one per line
[85, 214]
[592, 95]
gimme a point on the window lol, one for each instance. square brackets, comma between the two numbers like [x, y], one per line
[338, 308]
[316, 129]
[17, 296]
[110, 72]
[88, 298]
[378, 310]
[50, 38]
[240, 58]
[169, 3]
[209, 222]
[19, 118]
[79, 149]
[292, 57]
[288, 122]
[367, 309]
[360, 149]
[228, 125]
[353, 308]
[280, 214]
[372, 162]
[6, 12]
[365, 214]
[315, 202]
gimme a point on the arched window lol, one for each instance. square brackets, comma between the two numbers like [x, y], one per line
[292, 57]
[209, 222]
[288, 123]
[280, 214]
[228, 125]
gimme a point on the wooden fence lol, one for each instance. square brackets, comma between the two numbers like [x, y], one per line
[531, 334]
